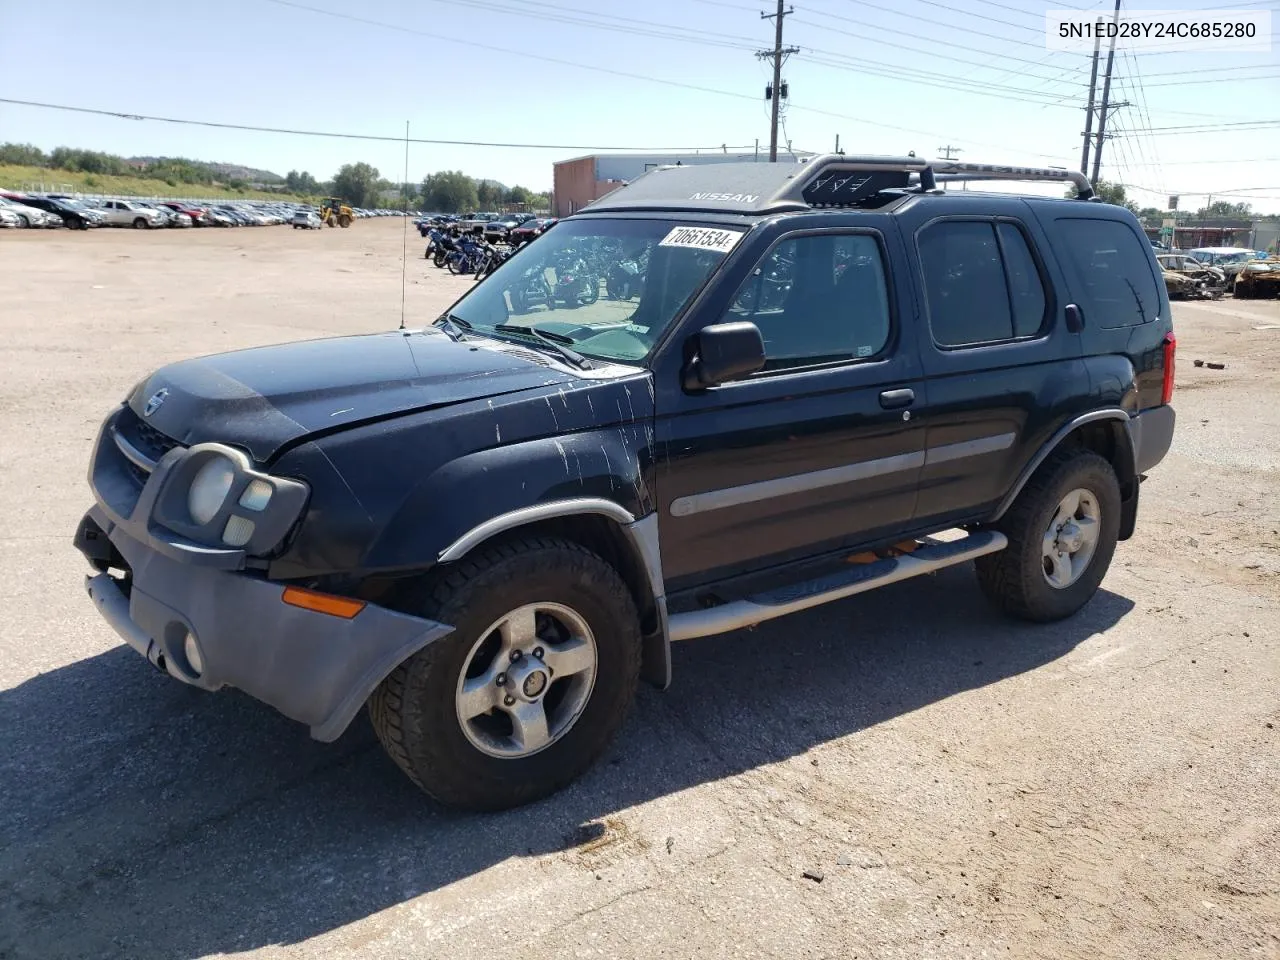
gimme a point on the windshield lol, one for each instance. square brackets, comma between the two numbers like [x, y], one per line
[609, 287]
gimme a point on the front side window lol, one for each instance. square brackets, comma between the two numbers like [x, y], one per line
[817, 299]
[607, 287]
[1117, 286]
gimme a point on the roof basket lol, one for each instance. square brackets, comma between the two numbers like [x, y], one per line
[830, 180]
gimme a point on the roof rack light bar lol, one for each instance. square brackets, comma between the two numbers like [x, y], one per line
[951, 170]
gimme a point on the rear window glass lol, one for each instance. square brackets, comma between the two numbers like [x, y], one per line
[1117, 284]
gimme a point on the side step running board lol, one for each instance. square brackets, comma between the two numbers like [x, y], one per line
[836, 586]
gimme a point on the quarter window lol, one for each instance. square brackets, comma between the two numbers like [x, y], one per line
[1117, 286]
[818, 299]
[981, 283]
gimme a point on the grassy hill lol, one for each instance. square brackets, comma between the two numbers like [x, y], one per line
[13, 177]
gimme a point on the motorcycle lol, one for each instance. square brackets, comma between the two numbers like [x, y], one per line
[493, 256]
[531, 290]
[466, 258]
[575, 285]
[623, 280]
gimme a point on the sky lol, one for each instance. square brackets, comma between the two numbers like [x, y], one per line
[885, 76]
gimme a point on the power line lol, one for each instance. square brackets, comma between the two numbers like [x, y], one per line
[950, 26]
[122, 115]
[943, 81]
[633, 76]
[880, 40]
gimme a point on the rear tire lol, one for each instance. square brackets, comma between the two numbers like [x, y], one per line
[417, 711]
[1018, 578]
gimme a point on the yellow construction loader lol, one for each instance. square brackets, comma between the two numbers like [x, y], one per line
[335, 213]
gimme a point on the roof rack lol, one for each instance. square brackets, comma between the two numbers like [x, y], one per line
[829, 180]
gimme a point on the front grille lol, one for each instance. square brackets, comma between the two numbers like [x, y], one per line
[145, 439]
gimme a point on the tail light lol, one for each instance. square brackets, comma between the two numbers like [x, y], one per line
[1170, 354]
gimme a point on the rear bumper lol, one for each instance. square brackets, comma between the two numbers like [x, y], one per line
[1151, 433]
[312, 667]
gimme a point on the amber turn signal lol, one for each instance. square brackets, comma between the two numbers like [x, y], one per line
[343, 607]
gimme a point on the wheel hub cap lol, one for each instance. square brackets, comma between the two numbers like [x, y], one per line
[1071, 538]
[527, 680]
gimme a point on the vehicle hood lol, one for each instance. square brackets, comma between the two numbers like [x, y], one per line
[267, 397]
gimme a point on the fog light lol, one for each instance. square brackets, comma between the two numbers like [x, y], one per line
[192, 653]
[237, 531]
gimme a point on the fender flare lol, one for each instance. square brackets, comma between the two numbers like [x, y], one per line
[641, 533]
[1093, 416]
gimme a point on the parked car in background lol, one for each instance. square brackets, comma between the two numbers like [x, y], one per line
[172, 218]
[496, 231]
[197, 214]
[530, 229]
[1227, 259]
[28, 214]
[306, 220]
[8, 219]
[131, 213]
[75, 214]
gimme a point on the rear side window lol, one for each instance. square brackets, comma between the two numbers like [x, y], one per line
[1117, 285]
[981, 283]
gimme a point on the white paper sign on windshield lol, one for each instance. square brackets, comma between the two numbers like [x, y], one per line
[702, 238]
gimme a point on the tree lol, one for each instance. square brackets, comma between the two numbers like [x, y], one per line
[22, 154]
[1108, 192]
[489, 194]
[1226, 210]
[521, 195]
[357, 183]
[303, 183]
[449, 191]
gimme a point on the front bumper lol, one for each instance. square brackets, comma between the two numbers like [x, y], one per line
[315, 668]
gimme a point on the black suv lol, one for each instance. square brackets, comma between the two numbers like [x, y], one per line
[824, 377]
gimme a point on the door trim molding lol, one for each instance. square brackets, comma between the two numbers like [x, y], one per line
[834, 476]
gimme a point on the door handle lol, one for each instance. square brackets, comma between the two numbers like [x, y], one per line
[894, 399]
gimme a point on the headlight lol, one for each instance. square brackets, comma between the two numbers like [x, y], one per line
[209, 489]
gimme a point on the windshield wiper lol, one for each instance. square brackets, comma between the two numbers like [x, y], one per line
[452, 326]
[554, 341]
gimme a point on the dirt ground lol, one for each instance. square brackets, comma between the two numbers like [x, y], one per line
[965, 786]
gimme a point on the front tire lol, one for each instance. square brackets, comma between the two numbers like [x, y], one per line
[140, 224]
[1062, 532]
[470, 741]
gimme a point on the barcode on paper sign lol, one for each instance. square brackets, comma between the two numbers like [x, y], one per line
[702, 238]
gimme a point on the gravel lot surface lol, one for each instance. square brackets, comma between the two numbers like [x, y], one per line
[963, 785]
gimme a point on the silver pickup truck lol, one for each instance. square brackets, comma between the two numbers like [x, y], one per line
[128, 213]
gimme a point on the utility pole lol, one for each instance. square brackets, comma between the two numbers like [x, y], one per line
[777, 55]
[948, 151]
[1093, 92]
[1106, 100]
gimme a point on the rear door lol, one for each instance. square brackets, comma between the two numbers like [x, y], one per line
[1001, 367]
[821, 448]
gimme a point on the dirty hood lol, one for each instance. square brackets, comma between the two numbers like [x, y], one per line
[264, 398]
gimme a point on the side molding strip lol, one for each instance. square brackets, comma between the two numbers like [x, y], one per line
[797, 483]
[833, 476]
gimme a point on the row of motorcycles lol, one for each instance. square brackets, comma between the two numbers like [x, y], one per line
[577, 275]
[463, 253]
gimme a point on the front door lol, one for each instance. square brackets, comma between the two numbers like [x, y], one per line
[822, 447]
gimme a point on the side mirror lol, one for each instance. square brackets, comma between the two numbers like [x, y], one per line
[722, 352]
